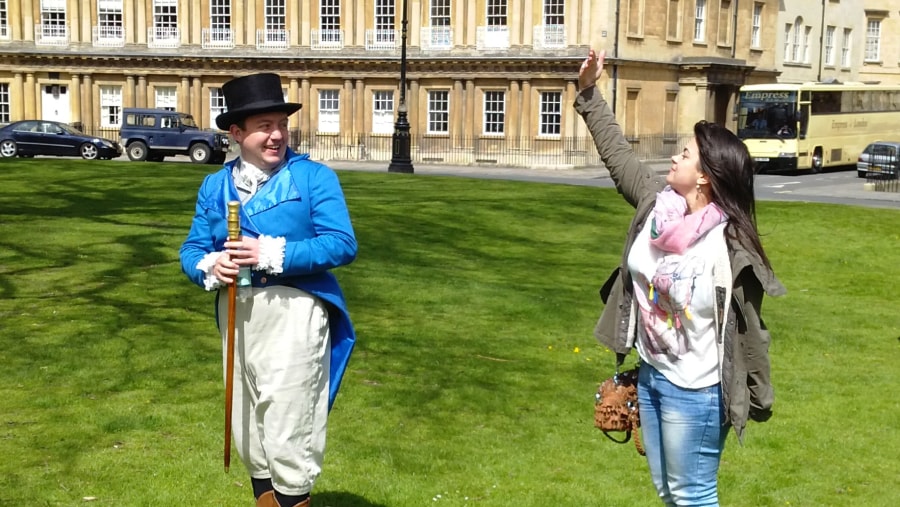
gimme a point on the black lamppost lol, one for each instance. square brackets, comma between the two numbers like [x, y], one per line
[401, 162]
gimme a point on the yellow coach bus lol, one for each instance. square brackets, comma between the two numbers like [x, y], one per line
[815, 125]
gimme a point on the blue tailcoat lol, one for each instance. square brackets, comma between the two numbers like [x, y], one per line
[303, 202]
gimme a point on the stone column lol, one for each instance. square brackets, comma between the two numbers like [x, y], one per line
[87, 102]
[128, 92]
[457, 113]
[459, 31]
[469, 121]
[514, 120]
[515, 8]
[471, 26]
[294, 96]
[142, 91]
[527, 130]
[584, 34]
[16, 107]
[414, 18]
[184, 95]
[305, 112]
[185, 21]
[75, 94]
[568, 127]
[196, 22]
[412, 105]
[141, 24]
[347, 105]
[237, 22]
[359, 107]
[306, 15]
[27, 11]
[197, 102]
[528, 24]
[128, 21]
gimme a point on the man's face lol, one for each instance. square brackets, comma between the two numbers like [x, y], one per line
[263, 140]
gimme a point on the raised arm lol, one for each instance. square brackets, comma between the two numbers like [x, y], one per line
[633, 179]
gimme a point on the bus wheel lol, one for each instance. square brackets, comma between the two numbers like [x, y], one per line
[817, 161]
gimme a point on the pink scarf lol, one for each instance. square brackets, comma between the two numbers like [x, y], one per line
[674, 229]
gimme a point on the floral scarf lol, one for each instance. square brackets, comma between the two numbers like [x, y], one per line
[674, 229]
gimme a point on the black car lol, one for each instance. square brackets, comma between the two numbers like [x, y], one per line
[40, 137]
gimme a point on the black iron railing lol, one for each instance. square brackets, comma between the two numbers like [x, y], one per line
[466, 150]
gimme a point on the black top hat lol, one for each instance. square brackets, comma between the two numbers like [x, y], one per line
[253, 94]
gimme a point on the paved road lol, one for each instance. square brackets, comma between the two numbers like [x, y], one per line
[835, 187]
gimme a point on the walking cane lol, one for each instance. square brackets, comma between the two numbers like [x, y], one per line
[234, 234]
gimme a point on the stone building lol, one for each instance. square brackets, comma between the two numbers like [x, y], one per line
[481, 74]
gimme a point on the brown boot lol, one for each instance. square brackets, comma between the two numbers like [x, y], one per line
[267, 499]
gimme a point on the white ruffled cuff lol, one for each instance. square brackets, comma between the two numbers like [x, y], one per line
[271, 254]
[206, 265]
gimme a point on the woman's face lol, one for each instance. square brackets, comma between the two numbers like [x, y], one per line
[263, 140]
[684, 175]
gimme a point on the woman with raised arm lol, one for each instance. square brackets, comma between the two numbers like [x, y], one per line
[687, 296]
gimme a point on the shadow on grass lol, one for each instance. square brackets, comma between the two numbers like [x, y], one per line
[341, 499]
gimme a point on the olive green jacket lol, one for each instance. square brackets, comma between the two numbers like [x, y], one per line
[743, 340]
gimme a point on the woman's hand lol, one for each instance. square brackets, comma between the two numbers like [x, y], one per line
[591, 69]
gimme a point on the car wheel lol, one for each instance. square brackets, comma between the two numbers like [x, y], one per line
[817, 161]
[8, 148]
[137, 151]
[89, 151]
[200, 153]
[861, 174]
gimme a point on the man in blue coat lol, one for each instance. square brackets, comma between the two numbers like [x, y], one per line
[293, 334]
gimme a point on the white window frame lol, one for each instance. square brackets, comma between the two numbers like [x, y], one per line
[438, 111]
[216, 104]
[165, 97]
[756, 26]
[4, 103]
[53, 20]
[274, 31]
[330, 22]
[165, 20]
[110, 106]
[873, 40]
[385, 22]
[700, 21]
[496, 13]
[788, 29]
[220, 31]
[550, 121]
[382, 111]
[4, 21]
[829, 45]
[329, 111]
[494, 113]
[807, 31]
[846, 46]
[795, 40]
[110, 20]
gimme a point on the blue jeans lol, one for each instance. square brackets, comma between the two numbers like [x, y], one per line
[684, 432]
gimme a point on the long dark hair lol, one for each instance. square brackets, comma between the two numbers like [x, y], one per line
[727, 165]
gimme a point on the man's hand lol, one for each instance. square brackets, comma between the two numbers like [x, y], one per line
[237, 254]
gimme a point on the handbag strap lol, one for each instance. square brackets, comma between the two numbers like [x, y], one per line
[624, 440]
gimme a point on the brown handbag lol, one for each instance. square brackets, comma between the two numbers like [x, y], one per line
[616, 407]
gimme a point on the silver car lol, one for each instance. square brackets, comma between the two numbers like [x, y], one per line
[881, 158]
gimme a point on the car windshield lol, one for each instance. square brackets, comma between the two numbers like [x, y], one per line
[767, 115]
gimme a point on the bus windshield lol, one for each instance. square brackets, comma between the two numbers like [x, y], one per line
[767, 115]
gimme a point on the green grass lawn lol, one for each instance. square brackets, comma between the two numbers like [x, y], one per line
[473, 379]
